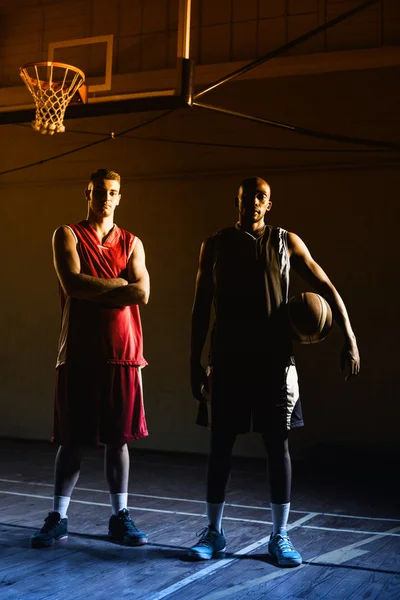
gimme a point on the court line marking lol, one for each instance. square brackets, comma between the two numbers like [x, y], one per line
[245, 586]
[155, 510]
[327, 557]
[336, 557]
[340, 555]
[320, 528]
[306, 512]
[188, 514]
[221, 564]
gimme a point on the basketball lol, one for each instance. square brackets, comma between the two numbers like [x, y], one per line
[310, 318]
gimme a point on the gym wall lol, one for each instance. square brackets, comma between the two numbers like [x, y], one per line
[175, 196]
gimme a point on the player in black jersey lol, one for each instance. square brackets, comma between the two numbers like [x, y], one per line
[251, 376]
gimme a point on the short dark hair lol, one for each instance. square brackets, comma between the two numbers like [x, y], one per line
[105, 174]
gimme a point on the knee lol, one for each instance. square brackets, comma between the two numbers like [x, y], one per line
[116, 454]
[116, 448]
[67, 451]
[277, 449]
[219, 458]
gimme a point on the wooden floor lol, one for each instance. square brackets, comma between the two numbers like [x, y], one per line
[346, 528]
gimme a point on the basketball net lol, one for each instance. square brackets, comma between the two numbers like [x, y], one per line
[53, 86]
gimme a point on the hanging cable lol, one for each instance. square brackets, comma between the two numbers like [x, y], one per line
[234, 146]
[278, 51]
[109, 137]
[251, 147]
[375, 145]
[322, 135]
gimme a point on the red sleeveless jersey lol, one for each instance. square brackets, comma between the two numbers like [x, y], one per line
[92, 332]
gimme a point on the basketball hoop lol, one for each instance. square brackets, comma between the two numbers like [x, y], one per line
[53, 86]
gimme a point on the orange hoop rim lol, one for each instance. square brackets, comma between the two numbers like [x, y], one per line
[52, 64]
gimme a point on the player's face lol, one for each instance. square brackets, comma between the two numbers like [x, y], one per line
[254, 201]
[103, 196]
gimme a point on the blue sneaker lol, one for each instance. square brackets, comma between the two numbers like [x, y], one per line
[211, 544]
[54, 529]
[282, 549]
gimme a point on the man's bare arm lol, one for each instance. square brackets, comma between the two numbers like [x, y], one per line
[201, 319]
[138, 289]
[308, 269]
[68, 266]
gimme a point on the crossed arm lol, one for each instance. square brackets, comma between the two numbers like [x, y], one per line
[112, 292]
[303, 263]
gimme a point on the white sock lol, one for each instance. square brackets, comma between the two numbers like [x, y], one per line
[118, 502]
[214, 514]
[280, 515]
[60, 505]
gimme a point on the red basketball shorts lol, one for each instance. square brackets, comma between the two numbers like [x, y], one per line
[100, 404]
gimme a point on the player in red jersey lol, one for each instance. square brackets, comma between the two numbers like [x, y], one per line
[103, 280]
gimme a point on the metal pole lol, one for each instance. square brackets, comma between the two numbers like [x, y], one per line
[390, 146]
[183, 50]
[285, 47]
[184, 85]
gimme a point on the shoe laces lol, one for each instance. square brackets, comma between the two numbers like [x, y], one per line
[125, 517]
[283, 542]
[50, 522]
[207, 536]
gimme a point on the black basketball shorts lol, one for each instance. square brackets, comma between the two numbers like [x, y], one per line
[260, 397]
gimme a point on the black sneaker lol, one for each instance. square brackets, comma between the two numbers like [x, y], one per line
[122, 529]
[211, 544]
[54, 529]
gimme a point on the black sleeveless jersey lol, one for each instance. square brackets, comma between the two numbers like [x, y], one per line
[250, 282]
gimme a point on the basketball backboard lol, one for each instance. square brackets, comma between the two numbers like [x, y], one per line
[143, 64]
